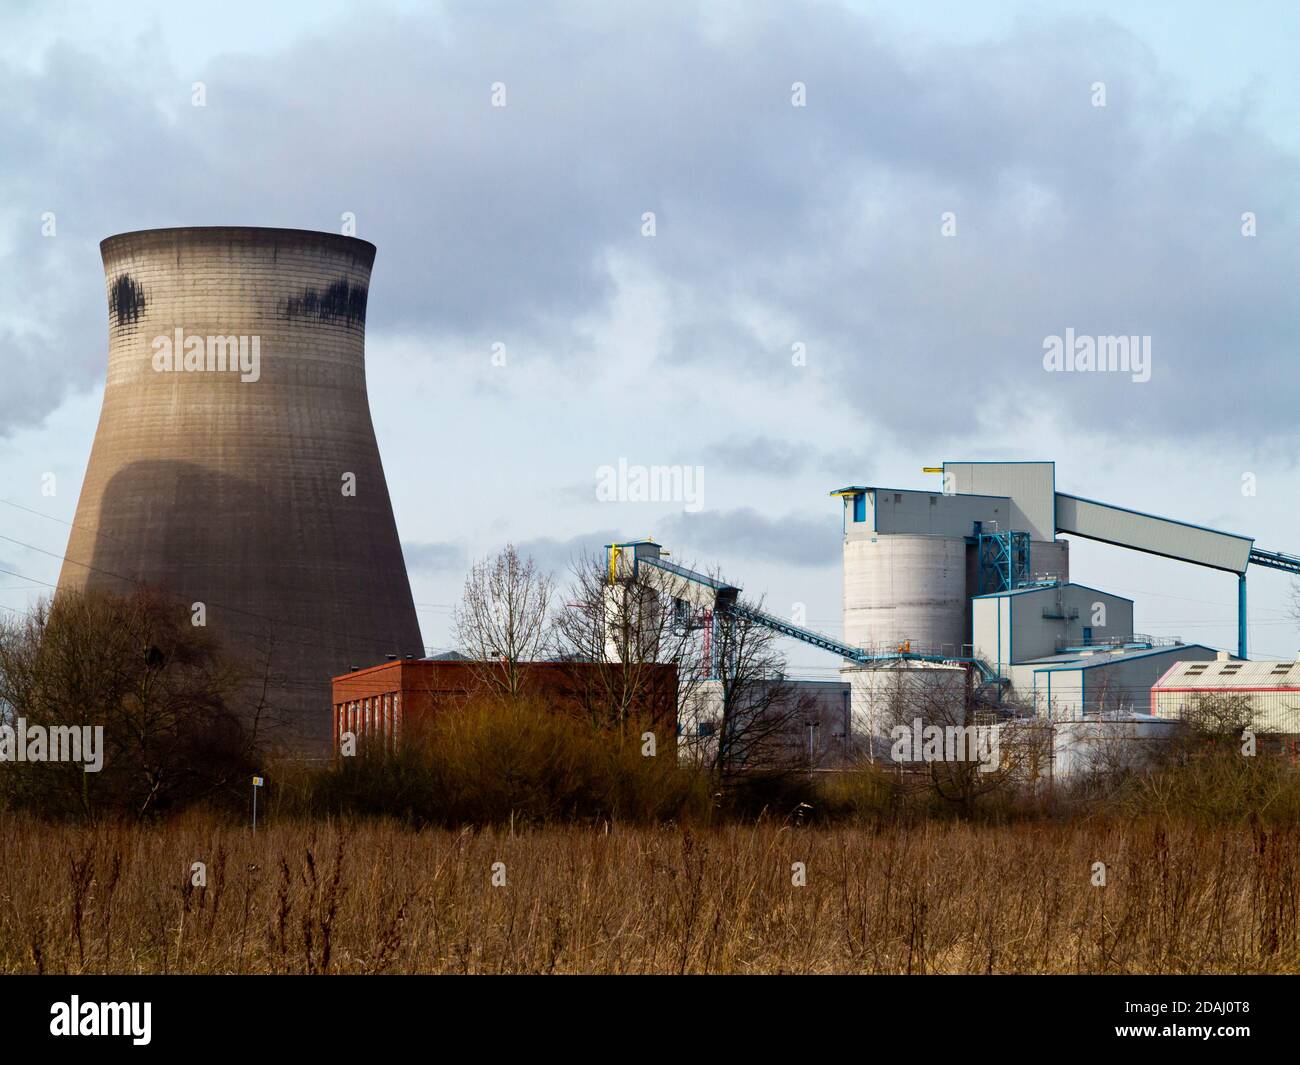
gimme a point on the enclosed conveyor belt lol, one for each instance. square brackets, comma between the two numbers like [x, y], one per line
[1157, 536]
[697, 587]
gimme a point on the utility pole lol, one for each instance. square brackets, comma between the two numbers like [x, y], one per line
[257, 783]
[812, 757]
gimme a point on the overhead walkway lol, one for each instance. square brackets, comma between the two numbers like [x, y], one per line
[1168, 538]
[703, 590]
[1024, 497]
[1275, 560]
[1180, 540]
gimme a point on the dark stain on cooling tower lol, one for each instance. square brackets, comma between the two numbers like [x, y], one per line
[126, 300]
[342, 302]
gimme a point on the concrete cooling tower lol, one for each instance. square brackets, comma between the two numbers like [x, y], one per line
[235, 463]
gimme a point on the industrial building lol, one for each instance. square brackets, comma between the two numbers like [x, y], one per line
[975, 573]
[814, 718]
[1100, 744]
[1036, 638]
[390, 703]
[966, 588]
[1268, 693]
[235, 465]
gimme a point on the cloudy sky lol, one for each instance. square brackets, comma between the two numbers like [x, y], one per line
[801, 318]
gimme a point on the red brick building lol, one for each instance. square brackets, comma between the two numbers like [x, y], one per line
[392, 700]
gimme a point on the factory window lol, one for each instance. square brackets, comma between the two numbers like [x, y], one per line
[859, 507]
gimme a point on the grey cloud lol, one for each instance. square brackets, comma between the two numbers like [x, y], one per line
[552, 555]
[557, 557]
[712, 536]
[759, 454]
[775, 224]
[433, 557]
[783, 458]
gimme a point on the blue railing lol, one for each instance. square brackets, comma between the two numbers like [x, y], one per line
[1275, 560]
[688, 574]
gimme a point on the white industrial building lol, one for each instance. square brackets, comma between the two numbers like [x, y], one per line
[973, 574]
[1268, 691]
[1069, 650]
[966, 589]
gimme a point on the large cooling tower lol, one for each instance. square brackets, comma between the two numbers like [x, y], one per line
[235, 462]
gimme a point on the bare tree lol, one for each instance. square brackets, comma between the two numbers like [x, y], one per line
[737, 712]
[1218, 716]
[627, 627]
[758, 716]
[167, 696]
[503, 619]
[969, 749]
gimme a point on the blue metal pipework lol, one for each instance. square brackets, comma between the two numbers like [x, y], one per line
[1270, 560]
[1275, 560]
[1003, 560]
[1241, 616]
[689, 574]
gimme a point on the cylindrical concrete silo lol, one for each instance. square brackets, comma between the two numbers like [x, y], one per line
[903, 588]
[235, 462]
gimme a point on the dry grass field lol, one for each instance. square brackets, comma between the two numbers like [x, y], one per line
[372, 897]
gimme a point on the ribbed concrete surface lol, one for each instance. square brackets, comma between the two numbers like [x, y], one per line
[228, 492]
[901, 587]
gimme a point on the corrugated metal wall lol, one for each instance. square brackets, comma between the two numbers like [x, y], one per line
[1146, 532]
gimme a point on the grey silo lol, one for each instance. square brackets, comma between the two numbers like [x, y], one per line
[229, 491]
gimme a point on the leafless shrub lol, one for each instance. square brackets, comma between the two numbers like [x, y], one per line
[174, 709]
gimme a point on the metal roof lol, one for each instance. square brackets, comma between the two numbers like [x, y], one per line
[1076, 660]
[1029, 490]
[1051, 588]
[854, 489]
[1232, 673]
